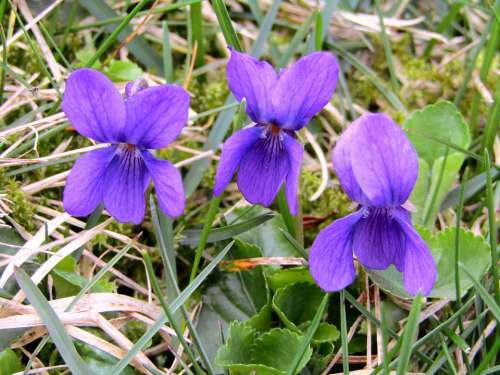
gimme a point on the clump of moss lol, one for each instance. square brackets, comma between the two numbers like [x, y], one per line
[424, 82]
[22, 209]
[208, 95]
[332, 203]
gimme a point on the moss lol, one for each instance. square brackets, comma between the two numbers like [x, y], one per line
[208, 95]
[22, 209]
[424, 82]
[332, 203]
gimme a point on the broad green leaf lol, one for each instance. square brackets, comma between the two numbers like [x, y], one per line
[421, 190]
[239, 296]
[453, 164]
[432, 130]
[322, 355]
[9, 362]
[326, 332]
[237, 347]
[441, 121]
[473, 253]
[282, 277]
[123, 71]
[268, 236]
[270, 353]
[297, 303]
[277, 347]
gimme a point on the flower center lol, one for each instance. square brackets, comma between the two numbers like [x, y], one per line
[274, 130]
[128, 148]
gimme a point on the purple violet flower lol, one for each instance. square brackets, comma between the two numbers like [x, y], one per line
[377, 166]
[267, 154]
[118, 175]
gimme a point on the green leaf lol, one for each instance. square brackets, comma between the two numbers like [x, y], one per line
[68, 283]
[84, 55]
[473, 253]
[432, 130]
[421, 190]
[297, 304]
[453, 164]
[237, 347]
[240, 296]
[282, 277]
[123, 71]
[54, 326]
[268, 236]
[440, 121]
[99, 362]
[270, 353]
[277, 349]
[326, 332]
[178, 301]
[9, 362]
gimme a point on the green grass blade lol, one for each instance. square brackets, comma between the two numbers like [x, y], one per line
[409, 335]
[492, 45]
[483, 293]
[296, 40]
[430, 201]
[4, 60]
[192, 236]
[308, 336]
[265, 29]
[176, 304]
[285, 212]
[371, 76]
[472, 187]
[168, 65]
[197, 30]
[492, 228]
[298, 247]
[343, 334]
[156, 287]
[460, 209]
[443, 25]
[318, 32]
[387, 48]
[226, 25]
[209, 219]
[54, 326]
[492, 124]
[142, 51]
[164, 236]
[239, 120]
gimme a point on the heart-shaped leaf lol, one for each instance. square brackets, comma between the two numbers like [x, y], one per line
[271, 353]
[474, 253]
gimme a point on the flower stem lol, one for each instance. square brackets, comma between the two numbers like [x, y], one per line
[285, 212]
[212, 210]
